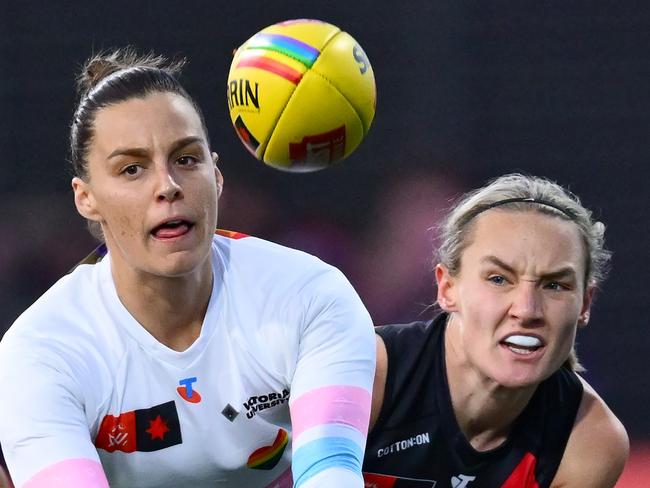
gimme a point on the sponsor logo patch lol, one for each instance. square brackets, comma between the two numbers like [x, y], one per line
[461, 481]
[261, 402]
[399, 446]
[187, 392]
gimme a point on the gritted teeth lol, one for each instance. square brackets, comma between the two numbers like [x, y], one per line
[520, 340]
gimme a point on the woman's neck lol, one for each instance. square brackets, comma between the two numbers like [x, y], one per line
[170, 308]
[485, 411]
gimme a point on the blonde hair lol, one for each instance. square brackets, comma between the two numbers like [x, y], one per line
[531, 193]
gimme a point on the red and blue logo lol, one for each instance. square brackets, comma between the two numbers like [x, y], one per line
[187, 391]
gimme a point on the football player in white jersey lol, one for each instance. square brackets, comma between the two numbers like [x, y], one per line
[182, 358]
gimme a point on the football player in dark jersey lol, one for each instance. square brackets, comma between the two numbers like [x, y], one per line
[487, 394]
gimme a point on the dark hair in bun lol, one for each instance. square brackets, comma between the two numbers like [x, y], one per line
[112, 77]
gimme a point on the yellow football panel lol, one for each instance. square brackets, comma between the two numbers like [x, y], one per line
[345, 64]
[318, 127]
[258, 96]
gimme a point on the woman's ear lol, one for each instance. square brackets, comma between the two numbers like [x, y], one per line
[217, 174]
[446, 289]
[585, 311]
[84, 200]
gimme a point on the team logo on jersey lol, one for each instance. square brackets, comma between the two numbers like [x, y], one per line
[461, 481]
[374, 480]
[261, 402]
[268, 456]
[187, 392]
[145, 430]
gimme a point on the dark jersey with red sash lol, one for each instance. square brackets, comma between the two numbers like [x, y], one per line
[417, 443]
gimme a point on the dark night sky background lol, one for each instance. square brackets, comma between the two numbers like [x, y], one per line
[466, 91]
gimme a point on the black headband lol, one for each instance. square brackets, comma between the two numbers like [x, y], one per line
[488, 206]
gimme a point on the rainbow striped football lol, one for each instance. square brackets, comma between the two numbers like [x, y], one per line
[301, 95]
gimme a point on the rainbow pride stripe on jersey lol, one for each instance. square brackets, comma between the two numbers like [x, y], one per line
[268, 456]
[288, 46]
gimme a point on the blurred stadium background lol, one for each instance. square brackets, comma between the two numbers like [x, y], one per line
[466, 91]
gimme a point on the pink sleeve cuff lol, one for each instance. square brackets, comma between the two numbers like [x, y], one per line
[72, 473]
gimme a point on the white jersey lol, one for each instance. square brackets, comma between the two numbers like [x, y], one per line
[283, 365]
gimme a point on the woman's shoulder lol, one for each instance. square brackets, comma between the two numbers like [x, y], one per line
[65, 299]
[236, 248]
[406, 357]
[410, 334]
[598, 446]
[257, 264]
[60, 329]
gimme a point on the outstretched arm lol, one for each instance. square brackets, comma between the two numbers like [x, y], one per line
[331, 387]
[43, 430]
